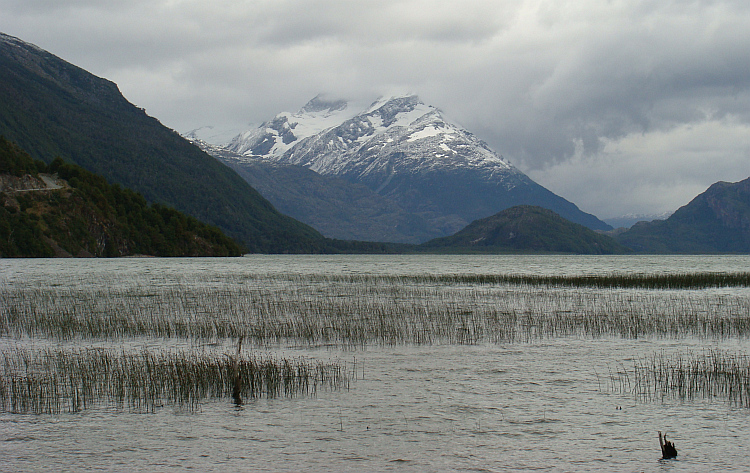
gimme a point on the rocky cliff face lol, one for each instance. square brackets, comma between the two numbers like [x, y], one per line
[26, 183]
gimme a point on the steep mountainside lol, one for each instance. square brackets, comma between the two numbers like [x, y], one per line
[75, 212]
[332, 205]
[335, 207]
[716, 221]
[52, 108]
[405, 151]
[526, 228]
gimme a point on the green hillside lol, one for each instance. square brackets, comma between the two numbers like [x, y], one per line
[80, 214]
[526, 229]
[54, 109]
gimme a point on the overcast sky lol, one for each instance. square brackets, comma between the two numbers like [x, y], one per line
[618, 106]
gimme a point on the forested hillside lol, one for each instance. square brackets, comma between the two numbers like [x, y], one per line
[61, 209]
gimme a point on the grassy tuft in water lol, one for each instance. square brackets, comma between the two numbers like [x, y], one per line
[688, 376]
[57, 380]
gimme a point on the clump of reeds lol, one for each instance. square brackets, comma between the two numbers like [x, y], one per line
[688, 376]
[58, 380]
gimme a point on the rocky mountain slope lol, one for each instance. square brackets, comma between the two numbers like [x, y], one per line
[403, 150]
[716, 221]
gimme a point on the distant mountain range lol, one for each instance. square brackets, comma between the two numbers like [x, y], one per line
[627, 221]
[416, 175]
[716, 221]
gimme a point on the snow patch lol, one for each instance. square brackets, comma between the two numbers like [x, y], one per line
[377, 123]
[426, 132]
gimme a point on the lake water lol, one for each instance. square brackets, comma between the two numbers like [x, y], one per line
[545, 404]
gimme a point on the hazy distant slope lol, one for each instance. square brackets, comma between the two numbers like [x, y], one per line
[53, 108]
[333, 206]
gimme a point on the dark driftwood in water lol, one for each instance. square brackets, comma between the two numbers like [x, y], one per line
[667, 447]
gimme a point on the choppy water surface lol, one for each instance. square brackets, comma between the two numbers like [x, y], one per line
[545, 404]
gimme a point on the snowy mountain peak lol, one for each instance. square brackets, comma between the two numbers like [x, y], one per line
[330, 138]
[399, 110]
[397, 98]
[275, 137]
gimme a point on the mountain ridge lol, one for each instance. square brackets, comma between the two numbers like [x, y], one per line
[311, 136]
[337, 208]
[715, 221]
[69, 211]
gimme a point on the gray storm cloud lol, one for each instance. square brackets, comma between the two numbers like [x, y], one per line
[620, 107]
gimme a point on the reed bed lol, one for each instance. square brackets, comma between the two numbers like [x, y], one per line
[359, 310]
[638, 280]
[687, 376]
[57, 380]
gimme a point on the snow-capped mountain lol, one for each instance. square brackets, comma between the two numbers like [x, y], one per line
[329, 138]
[213, 135]
[335, 207]
[403, 150]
